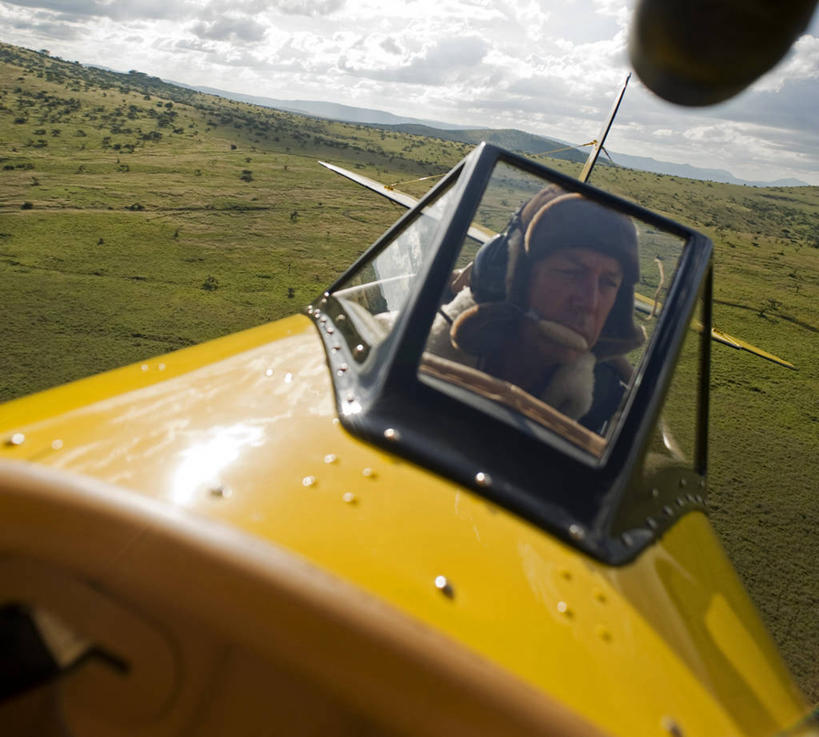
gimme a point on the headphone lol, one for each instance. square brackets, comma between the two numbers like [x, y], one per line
[489, 268]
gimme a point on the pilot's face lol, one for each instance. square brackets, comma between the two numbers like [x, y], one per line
[576, 287]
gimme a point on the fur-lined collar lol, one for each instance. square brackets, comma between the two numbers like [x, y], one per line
[571, 387]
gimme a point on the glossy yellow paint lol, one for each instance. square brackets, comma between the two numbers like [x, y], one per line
[248, 436]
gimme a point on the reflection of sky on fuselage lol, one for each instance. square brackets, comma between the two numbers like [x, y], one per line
[180, 437]
[205, 460]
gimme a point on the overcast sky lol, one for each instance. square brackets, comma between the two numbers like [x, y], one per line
[547, 66]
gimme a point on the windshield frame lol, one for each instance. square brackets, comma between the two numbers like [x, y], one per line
[472, 442]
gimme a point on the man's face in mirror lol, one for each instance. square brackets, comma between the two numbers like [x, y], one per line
[575, 288]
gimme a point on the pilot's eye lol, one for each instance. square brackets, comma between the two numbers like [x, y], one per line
[610, 282]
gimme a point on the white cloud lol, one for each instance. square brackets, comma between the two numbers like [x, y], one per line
[308, 8]
[802, 62]
[230, 29]
[547, 66]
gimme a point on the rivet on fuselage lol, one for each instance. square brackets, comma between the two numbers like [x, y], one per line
[627, 539]
[56, 444]
[322, 319]
[671, 726]
[329, 330]
[651, 522]
[368, 473]
[668, 511]
[576, 532]
[483, 479]
[392, 434]
[683, 483]
[655, 493]
[308, 481]
[349, 497]
[342, 368]
[330, 458]
[444, 586]
[220, 491]
[563, 608]
[341, 317]
[16, 439]
[681, 501]
[358, 350]
[336, 347]
[702, 483]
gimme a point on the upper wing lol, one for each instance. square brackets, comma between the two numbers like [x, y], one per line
[382, 189]
[479, 234]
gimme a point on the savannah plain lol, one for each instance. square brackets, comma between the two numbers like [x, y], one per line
[137, 218]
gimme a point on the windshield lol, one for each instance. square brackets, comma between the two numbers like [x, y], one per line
[516, 332]
[553, 313]
[374, 294]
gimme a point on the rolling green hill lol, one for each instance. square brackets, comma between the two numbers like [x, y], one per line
[137, 217]
[512, 139]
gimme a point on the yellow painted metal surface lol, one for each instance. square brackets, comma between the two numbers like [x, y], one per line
[246, 433]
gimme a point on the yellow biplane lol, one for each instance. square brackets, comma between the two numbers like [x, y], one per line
[321, 526]
[328, 525]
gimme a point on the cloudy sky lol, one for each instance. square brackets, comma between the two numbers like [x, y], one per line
[546, 66]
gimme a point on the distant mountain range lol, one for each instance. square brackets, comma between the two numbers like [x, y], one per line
[692, 172]
[331, 110]
[512, 139]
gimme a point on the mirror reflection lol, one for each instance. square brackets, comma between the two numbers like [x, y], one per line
[551, 315]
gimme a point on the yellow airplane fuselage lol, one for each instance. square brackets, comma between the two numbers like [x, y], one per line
[243, 432]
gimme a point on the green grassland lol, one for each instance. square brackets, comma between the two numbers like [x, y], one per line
[138, 217]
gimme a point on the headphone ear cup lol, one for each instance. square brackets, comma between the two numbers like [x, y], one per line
[488, 278]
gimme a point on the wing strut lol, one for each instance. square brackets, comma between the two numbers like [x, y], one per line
[604, 131]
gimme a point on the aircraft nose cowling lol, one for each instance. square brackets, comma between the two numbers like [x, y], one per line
[701, 52]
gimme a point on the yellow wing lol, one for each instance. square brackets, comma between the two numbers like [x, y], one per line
[647, 305]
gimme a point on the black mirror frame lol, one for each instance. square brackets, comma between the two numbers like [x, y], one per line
[541, 477]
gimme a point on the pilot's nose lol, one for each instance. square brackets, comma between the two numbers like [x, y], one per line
[586, 295]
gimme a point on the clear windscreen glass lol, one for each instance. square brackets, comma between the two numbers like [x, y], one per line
[668, 474]
[551, 308]
[373, 296]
